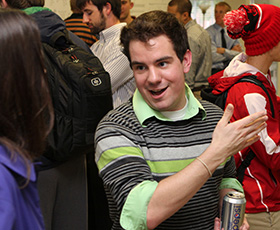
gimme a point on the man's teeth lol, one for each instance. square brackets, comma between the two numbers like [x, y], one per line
[158, 92]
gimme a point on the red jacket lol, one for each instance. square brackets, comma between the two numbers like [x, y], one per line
[262, 177]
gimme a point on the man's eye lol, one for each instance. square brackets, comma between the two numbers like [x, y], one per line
[88, 13]
[162, 64]
[139, 67]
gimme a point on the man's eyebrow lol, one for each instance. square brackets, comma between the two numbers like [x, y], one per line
[164, 58]
[158, 60]
[136, 63]
[87, 10]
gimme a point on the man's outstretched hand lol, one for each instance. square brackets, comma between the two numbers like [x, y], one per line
[229, 138]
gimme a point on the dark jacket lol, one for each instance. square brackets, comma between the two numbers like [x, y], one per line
[49, 23]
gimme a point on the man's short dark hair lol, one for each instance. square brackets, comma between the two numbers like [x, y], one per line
[115, 4]
[153, 24]
[182, 6]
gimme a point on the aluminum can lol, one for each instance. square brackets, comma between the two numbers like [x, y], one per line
[233, 210]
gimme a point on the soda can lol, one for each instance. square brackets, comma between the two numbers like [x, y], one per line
[233, 210]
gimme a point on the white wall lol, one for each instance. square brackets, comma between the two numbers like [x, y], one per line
[61, 7]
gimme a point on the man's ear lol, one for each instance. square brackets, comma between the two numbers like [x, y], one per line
[107, 9]
[185, 17]
[131, 5]
[187, 61]
[4, 4]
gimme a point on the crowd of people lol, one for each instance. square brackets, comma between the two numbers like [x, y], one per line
[163, 158]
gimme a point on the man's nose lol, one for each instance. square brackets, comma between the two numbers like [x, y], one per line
[85, 18]
[153, 76]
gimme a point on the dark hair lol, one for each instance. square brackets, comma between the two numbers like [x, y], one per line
[153, 24]
[74, 7]
[182, 6]
[26, 114]
[224, 4]
[22, 4]
[115, 4]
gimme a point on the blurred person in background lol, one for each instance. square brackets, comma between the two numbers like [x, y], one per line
[75, 24]
[127, 5]
[258, 26]
[223, 47]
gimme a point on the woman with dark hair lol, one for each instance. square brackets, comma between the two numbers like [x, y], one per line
[59, 181]
[26, 117]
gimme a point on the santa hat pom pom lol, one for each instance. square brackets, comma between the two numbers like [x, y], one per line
[235, 21]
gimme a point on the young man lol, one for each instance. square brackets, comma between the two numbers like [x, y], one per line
[222, 51]
[200, 46]
[103, 17]
[127, 5]
[258, 26]
[75, 24]
[159, 164]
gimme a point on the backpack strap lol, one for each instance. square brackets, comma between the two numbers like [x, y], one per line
[246, 162]
[206, 94]
[253, 79]
[221, 101]
[60, 39]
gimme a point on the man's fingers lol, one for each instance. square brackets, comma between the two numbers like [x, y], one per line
[228, 113]
[253, 135]
[258, 120]
[251, 141]
[255, 119]
[217, 224]
[255, 128]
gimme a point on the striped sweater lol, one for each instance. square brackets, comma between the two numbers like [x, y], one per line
[128, 153]
[75, 24]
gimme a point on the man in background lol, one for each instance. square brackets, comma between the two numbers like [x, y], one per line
[75, 24]
[200, 46]
[103, 18]
[127, 5]
[223, 47]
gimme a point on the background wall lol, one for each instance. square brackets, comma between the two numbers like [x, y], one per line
[62, 7]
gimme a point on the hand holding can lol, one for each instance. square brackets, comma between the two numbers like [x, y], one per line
[233, 210]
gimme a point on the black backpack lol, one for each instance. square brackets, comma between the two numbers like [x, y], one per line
[81, 93]
[220, 100]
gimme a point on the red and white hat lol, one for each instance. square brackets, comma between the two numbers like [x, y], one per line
[257, 25]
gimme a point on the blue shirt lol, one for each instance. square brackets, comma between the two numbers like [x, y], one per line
[219, 59]
[19, 207]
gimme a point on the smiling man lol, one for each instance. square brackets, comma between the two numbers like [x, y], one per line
[155, 153]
